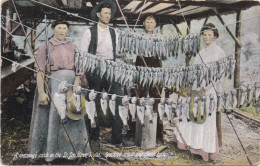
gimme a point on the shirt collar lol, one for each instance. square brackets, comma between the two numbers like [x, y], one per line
[101, 29]
[55, 42]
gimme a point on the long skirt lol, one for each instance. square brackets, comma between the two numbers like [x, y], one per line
[48, 138]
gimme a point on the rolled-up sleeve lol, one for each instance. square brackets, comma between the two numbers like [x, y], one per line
[40, 63]
[85, 41]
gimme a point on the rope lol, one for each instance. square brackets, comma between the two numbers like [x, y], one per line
[82, 88]
[139, 14]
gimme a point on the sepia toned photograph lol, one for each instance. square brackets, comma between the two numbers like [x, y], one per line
[130, 82]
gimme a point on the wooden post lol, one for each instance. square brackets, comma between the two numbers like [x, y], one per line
[238, 42]
[176, 27]
[33, 36]
[188, 58]
[237, 54]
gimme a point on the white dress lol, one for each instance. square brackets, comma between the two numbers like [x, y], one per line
[203, 136]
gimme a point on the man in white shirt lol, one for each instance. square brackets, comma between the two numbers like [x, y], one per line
[100, 40]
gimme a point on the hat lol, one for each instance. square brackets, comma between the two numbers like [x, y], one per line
[96, 8]
[71, 111]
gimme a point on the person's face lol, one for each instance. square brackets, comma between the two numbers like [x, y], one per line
[149, 24]
[60, 31]
[104, 15]
[208, 37]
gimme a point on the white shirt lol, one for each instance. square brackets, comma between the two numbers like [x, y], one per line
[104, 45]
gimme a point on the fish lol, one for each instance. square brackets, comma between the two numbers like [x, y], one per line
[60, 100]
[76, 58]
[249, 94]
[161, 108]
[141, 110]
[104, 102]
[123, 113]
[187, 108]
[219, 101]
[169, 109]
[226, 100]
[146, 75]
[149, 109]
[233, 98]
[133, 108]
[211, 104]
[179, 109]
[203, 106]
[195, 106]
[257, 91]
[112, 105]
[232, 67]
[91, 108]
[242, 96]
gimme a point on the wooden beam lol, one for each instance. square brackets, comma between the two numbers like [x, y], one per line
[188, 57]
[238, 42]
[176, 27]
[33, 36]
[237, 55]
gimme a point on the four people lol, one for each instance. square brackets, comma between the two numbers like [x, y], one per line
[47, 132]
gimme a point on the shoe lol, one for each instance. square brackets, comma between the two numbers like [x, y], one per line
[95, 145]
[126, 142]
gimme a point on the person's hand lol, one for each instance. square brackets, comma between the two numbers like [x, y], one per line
[43, 99]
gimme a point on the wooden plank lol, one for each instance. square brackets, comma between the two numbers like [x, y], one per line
[132, 6]
[11, 81]
[237, 55]
[159, 7]
[138, 9]
[238, 42]
[184, 9]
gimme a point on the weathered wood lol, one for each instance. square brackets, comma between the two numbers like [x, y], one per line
[146, 135]
[176, 27]
[11, 81]
[33, 36]
[188, 57]
[238, 42]
[237, 55]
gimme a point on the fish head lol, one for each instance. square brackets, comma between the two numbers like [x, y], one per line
[134, 100]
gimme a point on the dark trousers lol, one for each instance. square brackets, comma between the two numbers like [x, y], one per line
[99, 85]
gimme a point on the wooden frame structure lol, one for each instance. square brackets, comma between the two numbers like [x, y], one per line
[168, 11]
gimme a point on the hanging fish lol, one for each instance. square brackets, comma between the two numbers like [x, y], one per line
[169, 109]
[161, 108]
[195, 107]
[104, 103]
[211, 104]
[226, 100]
[149, 109]
[219, 101]
[76, 58]
[77, 98]
[123, 111]
[249, 94]
[202, 106]
[133, 108]
[187, 108]
[179, 109]
[257, 91]
[112, 105]
[233, 98]
[146, 75]
[60, 100]
[232, 67]
[242, 96]
[103, 67]
[91, 108]
[141, 110]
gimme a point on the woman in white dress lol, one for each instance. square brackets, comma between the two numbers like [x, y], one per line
[203, 138]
